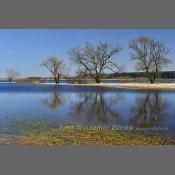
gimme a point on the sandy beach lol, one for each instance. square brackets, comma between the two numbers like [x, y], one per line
[162, 86]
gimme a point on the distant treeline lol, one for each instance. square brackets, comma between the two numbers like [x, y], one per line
[164, 74]
[123, 75]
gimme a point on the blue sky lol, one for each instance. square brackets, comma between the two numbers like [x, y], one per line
[24, 49]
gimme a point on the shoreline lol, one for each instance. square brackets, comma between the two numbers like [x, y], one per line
[147, 86]
[156, 86]
[71, 136]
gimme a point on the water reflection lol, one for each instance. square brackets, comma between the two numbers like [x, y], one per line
[54, 101]
[86, 105]
[96, 108]
[150, 110]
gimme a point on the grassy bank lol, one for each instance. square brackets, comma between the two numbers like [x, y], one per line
[165, 86]
[161, 86]
[64, 136]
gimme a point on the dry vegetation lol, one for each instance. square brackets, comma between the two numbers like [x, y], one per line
[63, 136]
[30, 80]
[142, 85]
[163, 86]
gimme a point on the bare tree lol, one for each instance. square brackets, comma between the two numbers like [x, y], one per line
[93, 60]
[151, 56]
[55, 66]
[12, 74]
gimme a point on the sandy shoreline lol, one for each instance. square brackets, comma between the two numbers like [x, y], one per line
[163, 86]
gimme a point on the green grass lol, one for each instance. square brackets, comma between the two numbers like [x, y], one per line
[67, 136]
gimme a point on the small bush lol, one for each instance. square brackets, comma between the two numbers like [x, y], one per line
[31, 80]
[127, 81]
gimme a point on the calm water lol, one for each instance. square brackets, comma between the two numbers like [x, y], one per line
[88, 106]
[109, 81]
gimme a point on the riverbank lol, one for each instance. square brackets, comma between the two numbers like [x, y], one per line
[37, 133]
[127, 85]
[161, 86]
[164, 86]
[57, 136]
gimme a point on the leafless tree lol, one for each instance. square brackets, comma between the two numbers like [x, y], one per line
[151, 56]
[55, 66]
[12, 74]
[93, 60]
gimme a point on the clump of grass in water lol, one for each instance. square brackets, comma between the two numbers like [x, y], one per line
[64, 136]
[26, 126]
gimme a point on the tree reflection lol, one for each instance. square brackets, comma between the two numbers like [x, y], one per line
[96, 108]
[149, 111]
[54, 101]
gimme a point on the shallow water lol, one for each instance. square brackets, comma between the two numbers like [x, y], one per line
[52, 105]
[109, 81]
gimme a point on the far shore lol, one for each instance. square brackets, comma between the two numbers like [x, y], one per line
[161, 86]
[125, 85]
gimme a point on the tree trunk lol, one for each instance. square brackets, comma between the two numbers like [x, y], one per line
[98, 81]
[10, 80]
[57, 80]
[152, 81]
